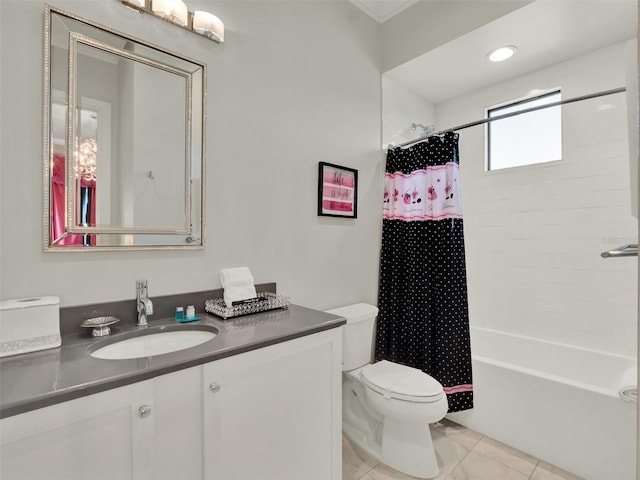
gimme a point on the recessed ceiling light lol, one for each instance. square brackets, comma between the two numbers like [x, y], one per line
[501, 54]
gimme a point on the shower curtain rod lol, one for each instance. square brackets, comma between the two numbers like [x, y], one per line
[512, 114]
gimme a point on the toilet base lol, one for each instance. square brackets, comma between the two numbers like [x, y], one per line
[363, 441]
[372, 423]
[412, 453]
[409, 449]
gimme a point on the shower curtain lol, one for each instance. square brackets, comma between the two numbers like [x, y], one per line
[423, 320]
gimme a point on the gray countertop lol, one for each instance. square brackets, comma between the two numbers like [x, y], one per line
[39, 379]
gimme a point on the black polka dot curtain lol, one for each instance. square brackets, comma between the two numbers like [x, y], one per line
[424, 317]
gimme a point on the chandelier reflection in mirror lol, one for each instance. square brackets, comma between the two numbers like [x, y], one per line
[176, 12]
[86, 159]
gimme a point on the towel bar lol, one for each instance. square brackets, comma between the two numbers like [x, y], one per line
[630, 250]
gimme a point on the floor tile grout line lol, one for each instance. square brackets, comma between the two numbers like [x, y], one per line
[371, 469]
[534, 469]
[482, 437]
[537, 460]
[535, 465]
[462, 459]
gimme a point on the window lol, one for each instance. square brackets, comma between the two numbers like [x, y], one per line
[527, 138]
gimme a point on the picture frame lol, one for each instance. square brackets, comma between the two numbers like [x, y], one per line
[337, 191]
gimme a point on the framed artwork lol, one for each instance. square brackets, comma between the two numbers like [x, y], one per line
[337, 191]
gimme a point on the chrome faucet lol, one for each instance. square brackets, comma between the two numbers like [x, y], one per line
[143, 302]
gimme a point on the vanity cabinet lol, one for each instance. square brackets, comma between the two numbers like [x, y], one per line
[275, 413]
[103, 436]
[147, 430]
[268, 414]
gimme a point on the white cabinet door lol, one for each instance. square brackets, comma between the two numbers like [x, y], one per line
[178, 425]
[102, 436]
[275, 413]
[148, 430]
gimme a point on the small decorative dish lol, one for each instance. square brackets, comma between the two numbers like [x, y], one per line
[100, 325]
[264, 301]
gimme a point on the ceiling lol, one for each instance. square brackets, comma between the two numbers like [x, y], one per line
[545, 32]
[382, 10]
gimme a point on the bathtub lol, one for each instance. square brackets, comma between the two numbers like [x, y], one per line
[557, 402]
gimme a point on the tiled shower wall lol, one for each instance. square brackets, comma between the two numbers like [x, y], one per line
[534, 234]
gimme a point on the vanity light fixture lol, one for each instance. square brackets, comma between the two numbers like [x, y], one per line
[176, 12]
[209, 25]
[502, 53]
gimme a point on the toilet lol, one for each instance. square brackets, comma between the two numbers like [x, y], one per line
[386, 407]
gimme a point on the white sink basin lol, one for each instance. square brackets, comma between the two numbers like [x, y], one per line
[153, 344]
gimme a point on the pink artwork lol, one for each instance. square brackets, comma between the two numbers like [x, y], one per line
[337, 191]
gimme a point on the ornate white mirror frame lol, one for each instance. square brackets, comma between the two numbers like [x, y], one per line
[124, 124]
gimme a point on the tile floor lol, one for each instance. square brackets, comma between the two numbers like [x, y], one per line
[462, 455]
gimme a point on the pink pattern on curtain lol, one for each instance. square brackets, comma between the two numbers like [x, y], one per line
[431, 193]
[58, 204]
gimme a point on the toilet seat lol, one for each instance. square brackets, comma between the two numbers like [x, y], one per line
[401, 382]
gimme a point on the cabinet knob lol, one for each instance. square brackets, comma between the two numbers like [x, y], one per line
[144, 411]
[214, 387]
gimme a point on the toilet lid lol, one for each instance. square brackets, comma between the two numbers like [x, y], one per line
[401, 382]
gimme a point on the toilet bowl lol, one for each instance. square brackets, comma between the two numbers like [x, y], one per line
[404, 394]
[387, 407]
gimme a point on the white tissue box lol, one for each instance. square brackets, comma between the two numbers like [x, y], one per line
[29, 325]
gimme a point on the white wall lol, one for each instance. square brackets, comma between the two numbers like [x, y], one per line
[534, 234]
[159, 202]
[400, 109]
[295, 83]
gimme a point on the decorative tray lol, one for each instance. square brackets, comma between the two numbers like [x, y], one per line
[264, 301]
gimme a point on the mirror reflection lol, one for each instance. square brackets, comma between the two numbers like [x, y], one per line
[124, 162]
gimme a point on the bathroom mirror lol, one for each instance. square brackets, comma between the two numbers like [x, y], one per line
[123, 141]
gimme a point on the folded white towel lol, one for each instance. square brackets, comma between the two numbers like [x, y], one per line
[231, 277]
[238, 293]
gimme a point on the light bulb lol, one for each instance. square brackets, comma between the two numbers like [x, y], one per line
[173, 10]
[501, 54]
[209, 25]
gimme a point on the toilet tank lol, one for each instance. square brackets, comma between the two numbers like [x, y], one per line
[357, 334]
